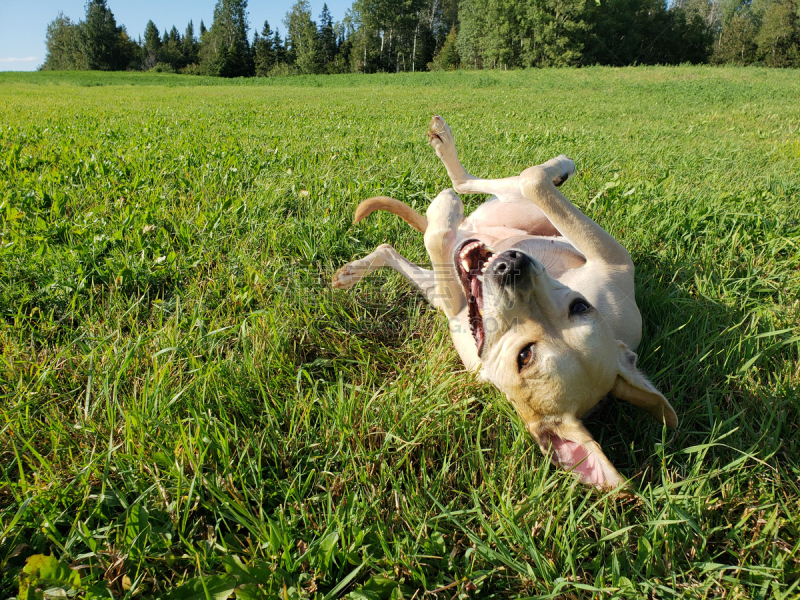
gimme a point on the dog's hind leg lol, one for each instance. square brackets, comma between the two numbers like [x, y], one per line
[445, 214]
[507, 189]
[386, 256]
[441, 139]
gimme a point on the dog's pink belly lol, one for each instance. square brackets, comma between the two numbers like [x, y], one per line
[522, 216]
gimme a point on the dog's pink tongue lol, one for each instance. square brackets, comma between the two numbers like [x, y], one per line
[572, 456]
[475, 287]
[475, 307]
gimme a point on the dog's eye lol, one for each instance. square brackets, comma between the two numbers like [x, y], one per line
[578, 307]
[525, 356]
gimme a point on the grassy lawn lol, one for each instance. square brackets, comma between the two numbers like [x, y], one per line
[186, 407]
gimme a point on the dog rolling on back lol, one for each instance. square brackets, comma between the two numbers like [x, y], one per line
[555, 340]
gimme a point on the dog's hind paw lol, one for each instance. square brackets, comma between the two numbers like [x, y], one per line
[346, 277]
[441, 138]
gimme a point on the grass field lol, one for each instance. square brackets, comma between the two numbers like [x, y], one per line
[189, 411]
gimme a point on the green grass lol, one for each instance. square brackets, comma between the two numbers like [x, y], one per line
[188, 407]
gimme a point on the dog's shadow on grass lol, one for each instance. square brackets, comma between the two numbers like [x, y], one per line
[352, 329]
[693, 349]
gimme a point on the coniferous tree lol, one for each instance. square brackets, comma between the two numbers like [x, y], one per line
[263, 51]
[432, 23]
[152, 45]
[202, 41]
[266, 31]
[128, 53]
[279, 48]
[254, 48]
[95, 43]
[778, 39]
[171, 51]
[64, 46]
[226, 48]
[327, 37]
[554, 33]
[341, 62]
[736, 42]
[100, 35]
[302, 40]
[446, 58]
[190, 45]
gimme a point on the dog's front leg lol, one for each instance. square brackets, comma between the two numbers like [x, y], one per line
[538, 184]
[386, 256]
[445, 214]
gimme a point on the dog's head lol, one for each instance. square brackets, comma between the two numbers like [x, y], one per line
[553, 355]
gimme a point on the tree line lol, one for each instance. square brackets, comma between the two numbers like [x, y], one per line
[419, 35]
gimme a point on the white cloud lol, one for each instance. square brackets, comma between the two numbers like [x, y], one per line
[26, 59]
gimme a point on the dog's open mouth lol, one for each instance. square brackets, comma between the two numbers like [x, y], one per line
[471, 260]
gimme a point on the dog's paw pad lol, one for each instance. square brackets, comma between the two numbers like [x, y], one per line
[345, 278]
[440, 136]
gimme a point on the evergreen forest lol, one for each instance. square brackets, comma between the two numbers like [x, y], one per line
[419, 35]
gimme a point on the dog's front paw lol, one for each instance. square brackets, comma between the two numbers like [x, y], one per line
[346, 277]
[564, 168]
[441, 137]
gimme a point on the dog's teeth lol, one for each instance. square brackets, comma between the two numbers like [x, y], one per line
[480, 278]
[465, 264]
[469, 247]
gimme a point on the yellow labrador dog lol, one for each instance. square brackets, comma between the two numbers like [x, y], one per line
[539, 298]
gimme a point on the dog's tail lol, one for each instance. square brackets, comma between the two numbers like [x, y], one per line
[404, 211]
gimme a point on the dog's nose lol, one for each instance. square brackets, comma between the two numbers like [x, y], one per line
[509, 266]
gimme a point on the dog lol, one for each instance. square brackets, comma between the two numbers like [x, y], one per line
[539, 298]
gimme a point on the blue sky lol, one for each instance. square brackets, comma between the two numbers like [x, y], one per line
[23, 23]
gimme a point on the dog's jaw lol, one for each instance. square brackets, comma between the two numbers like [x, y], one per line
[472, 258]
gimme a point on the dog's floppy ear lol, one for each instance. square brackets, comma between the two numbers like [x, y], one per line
[570, 446]
[632, 386]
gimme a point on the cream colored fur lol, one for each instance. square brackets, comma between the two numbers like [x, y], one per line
[577, 359]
